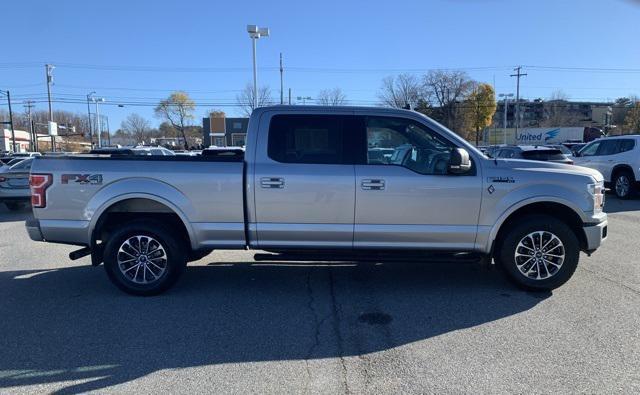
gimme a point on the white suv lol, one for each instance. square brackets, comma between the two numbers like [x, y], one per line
[617, 158]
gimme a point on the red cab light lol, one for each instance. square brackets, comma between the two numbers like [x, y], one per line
[39, 184]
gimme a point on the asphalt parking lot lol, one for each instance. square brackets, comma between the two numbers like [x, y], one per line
[232, 325]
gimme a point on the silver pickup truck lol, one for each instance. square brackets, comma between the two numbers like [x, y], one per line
[333, 182]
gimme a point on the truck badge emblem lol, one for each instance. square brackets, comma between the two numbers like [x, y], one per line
[93, 179]
[491, 189]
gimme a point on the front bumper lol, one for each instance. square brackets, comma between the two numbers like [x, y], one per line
[33, 229]
[595, 234]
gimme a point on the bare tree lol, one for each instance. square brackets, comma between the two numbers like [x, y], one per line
[138, 127]
[331, 97]
[400, 91]
[558, 111]
[178, 110]
[245, 98]
[446, 90]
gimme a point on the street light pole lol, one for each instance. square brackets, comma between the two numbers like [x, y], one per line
[49, 68]
[506, 105]
[98, 120]
[255, 74]
[255, 33]
[98, 126]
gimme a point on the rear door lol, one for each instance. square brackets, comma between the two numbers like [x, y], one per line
[305, 180]
[412, 201]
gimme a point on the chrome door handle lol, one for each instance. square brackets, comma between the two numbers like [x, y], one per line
[272, 182]
[372, 185]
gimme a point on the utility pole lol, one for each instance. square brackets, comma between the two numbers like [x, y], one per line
[289, 96]
[28, 105]
[108, 133]
[13, 132]
[281, 81]
[518, 74]
[98, 126]
[49, 68]
[89, 119]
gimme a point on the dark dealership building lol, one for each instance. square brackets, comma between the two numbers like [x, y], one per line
[234, 133]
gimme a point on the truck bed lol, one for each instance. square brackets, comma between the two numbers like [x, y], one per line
[206, 192]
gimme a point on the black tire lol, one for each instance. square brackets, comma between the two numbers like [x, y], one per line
[173, 251]
[15, 206]
[623, 183]
[196, 255]
[550, 275]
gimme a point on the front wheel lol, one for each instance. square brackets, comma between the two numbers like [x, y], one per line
[144, 257]
[539, 252]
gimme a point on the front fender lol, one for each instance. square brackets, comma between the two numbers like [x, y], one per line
[152, 189]
[506, 199]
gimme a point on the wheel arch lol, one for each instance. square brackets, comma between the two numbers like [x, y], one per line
[554, 207]
[621, 167]
[138, 205]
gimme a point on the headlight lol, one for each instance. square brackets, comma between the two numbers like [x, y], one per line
[597, 192]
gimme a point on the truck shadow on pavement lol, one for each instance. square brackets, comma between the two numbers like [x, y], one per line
[614, 205]
[71, 325]
[14, 216]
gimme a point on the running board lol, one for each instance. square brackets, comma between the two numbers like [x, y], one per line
[81, 253]
[320, 256]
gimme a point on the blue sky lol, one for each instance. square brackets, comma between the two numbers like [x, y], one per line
[138, 51]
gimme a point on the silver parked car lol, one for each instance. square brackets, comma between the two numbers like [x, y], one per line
[14, 184]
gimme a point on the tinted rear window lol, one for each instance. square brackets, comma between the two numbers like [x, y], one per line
[551, 154]
[316, 139]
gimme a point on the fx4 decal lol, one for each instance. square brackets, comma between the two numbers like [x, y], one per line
[93, 179]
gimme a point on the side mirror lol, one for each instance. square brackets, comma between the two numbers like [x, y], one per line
[459, 163]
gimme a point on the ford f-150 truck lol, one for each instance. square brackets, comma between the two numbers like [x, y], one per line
[312, 179]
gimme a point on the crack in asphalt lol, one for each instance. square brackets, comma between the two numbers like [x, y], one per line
[335, 312]
[611, 280]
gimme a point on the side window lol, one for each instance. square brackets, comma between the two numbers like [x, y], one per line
[506, 153]
[590, 149]
[314, 139]
[625, 145]
[608, 147]
[403, 142]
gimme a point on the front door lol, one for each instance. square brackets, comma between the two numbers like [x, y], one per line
[305, 186]
[407, 199]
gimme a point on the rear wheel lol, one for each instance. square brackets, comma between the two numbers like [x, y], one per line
[538, 252]
[623, 184]
[144, 257]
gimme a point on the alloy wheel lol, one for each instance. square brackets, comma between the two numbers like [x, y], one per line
[539, 255]
[142, 259]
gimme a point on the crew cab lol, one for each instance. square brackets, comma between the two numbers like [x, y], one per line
[311, 180]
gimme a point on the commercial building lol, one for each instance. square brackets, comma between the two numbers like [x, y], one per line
[540, 113]
[23, 140]
[224, 132]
